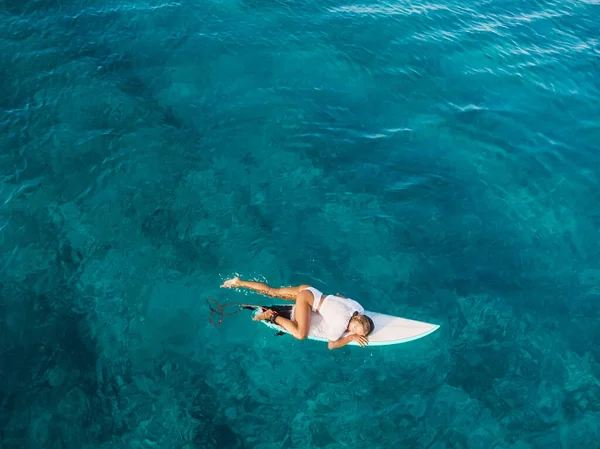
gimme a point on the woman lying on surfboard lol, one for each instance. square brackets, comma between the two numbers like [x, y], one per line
[340, 313]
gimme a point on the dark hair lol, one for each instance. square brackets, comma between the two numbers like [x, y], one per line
[365, 321]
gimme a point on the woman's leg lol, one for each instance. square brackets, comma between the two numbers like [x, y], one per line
[302, 314]
[287, 293]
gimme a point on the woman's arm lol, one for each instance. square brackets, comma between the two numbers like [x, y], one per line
[287, 293]
[363, 341]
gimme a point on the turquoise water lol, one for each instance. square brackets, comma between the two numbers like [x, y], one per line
[436, 161]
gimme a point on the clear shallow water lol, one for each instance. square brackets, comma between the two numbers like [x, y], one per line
[433, 161]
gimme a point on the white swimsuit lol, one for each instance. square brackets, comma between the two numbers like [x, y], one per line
[336, 312]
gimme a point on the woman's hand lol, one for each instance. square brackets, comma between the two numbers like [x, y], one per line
[231, 283]
[363, 341]
[265, 315]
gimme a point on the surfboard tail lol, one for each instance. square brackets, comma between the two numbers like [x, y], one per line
[250, 307]
[282, 310]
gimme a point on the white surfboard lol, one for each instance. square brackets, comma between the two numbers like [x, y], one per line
[389, 330]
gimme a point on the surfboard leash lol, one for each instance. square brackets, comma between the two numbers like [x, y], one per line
[220, 309]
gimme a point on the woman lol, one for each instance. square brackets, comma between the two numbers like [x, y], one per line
[341, 314]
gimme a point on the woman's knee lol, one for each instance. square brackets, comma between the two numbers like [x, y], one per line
[301, 335]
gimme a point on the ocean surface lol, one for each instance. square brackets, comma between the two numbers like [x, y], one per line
[438, 161]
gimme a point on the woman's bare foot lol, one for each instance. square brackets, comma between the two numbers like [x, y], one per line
[264, 315]
[231, 283]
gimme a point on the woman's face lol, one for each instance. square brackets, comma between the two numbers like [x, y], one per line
[356, 328]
